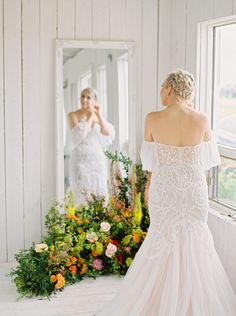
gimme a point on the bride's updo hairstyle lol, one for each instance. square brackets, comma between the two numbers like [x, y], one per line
[91, 91]
[183, 84]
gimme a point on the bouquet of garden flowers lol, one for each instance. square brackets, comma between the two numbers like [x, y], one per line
[84, 240]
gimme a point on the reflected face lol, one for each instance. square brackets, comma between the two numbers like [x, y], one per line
[87, 99]
[164, 93]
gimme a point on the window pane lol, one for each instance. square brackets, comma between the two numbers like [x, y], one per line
[102, 88]
[122, 67]
[227, 181]
[225, 84]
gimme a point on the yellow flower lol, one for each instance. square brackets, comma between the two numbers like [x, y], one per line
[71, 210]
[59, 284]
[126, 240]
[99, 247]
[51, 247]
[128, 261]
[138, 214]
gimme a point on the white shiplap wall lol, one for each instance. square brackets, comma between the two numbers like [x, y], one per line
[28, 29]
[177, 48]
[165, 35]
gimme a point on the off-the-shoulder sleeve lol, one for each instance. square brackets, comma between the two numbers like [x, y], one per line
[210, 153]
[147, 154]
[106, 140]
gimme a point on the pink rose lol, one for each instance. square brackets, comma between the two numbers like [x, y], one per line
[97, 264]
[111, 249]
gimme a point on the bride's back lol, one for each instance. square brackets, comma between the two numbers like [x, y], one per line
[178, 126]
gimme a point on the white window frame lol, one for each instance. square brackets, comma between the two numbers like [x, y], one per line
[123, 106]
[102, 87]
[205, 77]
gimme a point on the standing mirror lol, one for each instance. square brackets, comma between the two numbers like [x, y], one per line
[108, 69]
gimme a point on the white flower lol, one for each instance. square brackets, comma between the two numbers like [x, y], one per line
[41, 247]
[91, 236]
[111, 249]
[105, 227]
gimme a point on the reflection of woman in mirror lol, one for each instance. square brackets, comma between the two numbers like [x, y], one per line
[91, 133]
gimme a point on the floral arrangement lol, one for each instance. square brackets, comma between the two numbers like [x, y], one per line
[87, 240]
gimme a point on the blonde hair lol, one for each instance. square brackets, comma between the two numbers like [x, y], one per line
[91, 91]
[183, 84]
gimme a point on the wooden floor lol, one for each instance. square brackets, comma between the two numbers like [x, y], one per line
[82, 299]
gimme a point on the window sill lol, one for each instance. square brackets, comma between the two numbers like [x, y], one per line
[222, 212]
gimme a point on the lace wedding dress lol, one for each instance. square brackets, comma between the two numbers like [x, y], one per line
[177, 271]
[88, 163]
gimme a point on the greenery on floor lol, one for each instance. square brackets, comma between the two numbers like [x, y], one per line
[87, 240]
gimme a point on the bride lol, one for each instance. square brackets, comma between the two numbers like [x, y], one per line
[91, 133]
[177, 271]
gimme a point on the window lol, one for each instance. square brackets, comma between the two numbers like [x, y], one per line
[85, 81]
[122, 67]
[102, 88]
[225, 84]
[217, 70]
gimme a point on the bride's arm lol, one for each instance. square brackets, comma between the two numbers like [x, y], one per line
[105, 129]
[147, 137]
[147, 128]
[146, 190]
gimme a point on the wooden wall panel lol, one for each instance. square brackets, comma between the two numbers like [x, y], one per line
[48, 34]
[66, 19]
[13, 127]
[83, 23]
[149, 59]
[3, 223]
[31, 120]
[100, 19]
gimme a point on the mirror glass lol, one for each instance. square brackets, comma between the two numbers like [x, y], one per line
[86, 167]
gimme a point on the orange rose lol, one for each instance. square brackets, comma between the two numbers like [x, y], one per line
[73, 269]
[68, 264]
[60, 277]
[53, 278]
[84, 269]
[73, 259]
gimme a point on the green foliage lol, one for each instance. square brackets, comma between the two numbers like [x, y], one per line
[95, 239]
[227, 186]
[32, 276]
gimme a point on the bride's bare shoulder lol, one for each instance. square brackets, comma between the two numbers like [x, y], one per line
[154, 115]
[199, 116]
[73, 118]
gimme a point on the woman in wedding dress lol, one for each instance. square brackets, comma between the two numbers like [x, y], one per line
[91, 133]
[177, 271]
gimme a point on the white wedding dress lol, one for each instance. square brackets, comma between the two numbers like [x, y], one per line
[176, 271]
[88, 163]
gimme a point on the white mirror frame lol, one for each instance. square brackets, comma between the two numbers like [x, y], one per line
[59, 98]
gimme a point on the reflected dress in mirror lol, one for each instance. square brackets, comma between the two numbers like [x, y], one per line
[88, 163]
